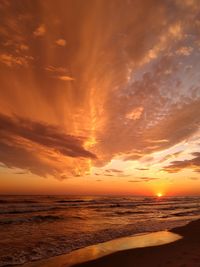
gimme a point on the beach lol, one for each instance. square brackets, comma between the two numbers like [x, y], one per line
[63, 231]
[184, 252]
[44, 227]
[177, 248]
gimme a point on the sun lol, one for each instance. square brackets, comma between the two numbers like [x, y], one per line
[159, 194]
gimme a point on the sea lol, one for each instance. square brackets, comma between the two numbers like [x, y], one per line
[39, 227]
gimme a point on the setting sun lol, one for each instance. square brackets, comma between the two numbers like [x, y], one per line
[159, 194]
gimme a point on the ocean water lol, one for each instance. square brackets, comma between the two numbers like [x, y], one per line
[38, 227]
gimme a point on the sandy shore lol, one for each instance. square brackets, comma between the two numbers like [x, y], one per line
[181, 253]
[100, 250]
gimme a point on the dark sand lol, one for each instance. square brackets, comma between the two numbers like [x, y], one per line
[182, 253]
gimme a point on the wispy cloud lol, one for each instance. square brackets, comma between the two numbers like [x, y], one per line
[11, 60]
[54, 69]
[178, 165]
[65, 78]
[143, 179]
[184, 50]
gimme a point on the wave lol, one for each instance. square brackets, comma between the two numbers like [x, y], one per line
[64, 244]
[23, 211]
[71, 201]
[130, 212]
[178, 207]
[14, 201]
[35, 219]
[187, 213]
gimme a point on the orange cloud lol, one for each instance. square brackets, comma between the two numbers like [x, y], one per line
[178, 165]
[184, 50]
[11, 60]
[65, 78]
[135, 114]
[40, 30]
[34, 146]
[60, 42]
[143, 179]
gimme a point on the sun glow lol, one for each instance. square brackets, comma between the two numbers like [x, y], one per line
[159, 194]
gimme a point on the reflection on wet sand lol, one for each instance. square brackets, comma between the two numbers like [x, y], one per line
[102, 249]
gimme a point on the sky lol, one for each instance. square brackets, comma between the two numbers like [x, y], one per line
[100, 97]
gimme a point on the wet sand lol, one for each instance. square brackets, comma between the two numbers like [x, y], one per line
[184, 252]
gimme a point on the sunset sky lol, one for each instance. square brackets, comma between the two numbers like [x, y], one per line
[100, 97]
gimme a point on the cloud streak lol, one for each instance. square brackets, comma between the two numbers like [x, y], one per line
[24, 142]
[176, 166]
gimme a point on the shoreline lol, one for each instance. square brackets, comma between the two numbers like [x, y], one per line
[43, 228]
[116, 251]
[184, 252]
[125, 233]
[100, 250]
